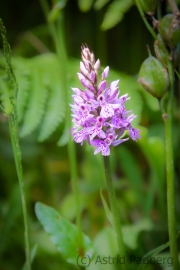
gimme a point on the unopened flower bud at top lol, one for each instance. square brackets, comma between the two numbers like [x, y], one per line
[105, 73]
[97, 65]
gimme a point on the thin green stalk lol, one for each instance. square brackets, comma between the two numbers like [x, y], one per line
[145, 21]
[170, 173]
[71, 144]
[17, 157]
[13, 126]
[57, 33]
[114, 209]
[169, 151]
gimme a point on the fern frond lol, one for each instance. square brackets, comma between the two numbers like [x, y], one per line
[5, 100]
[40, 102]
[36, 102]
[55, 110]
[21, 66]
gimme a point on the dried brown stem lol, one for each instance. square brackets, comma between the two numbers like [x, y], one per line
[173, 6]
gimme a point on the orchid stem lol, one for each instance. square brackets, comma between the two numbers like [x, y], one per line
[169, 152]
[114, 209]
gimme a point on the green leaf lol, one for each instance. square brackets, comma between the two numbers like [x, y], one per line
[105, 244]
[64, 137]
[68, 205]
[153, 149]
[177, 73]
[63, 233]
[32, 255]
[85, 5]
[115, 13]
[40, 102]
[133, 175]
[131, 232]
[55, 108]
[24, 84]
[151, 102]
[154, 252]
[7, 106]
[100, 3]
[54, 13]
[36, 103]
[106, 208]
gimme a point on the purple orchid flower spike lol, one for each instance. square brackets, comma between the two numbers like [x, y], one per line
[99, 112]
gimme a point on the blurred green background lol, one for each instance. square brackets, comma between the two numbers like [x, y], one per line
[117, 36]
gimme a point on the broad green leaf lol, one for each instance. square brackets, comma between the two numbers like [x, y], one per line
[63, 234]
[115, 13]
[106, 208]
[32, 255]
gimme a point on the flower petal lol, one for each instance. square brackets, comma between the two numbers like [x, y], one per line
[107, 111]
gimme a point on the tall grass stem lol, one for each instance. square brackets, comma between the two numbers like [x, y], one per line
[17, 156]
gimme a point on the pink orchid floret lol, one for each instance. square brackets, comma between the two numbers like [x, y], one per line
[99, 111]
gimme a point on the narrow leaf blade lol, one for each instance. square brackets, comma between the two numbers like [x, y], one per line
[106, 208]
[32, 255]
